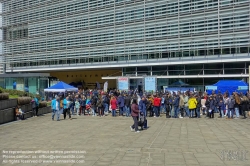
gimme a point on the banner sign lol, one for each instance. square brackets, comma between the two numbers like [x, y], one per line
[98, 86]
[211, 87]
[242, 87]
[123, 83]
[105, 86]
[150, 83]
[20, 84]
[180, 89]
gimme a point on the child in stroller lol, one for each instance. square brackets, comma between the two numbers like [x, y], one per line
[90, 110]
[141, 120]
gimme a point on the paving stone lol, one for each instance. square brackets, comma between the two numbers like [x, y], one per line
[192, 162]
[132, 163]
[174, 161]
[109, 141]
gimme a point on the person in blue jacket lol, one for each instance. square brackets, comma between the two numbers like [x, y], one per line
[142, 106]
[221, 107]
[143, 111]
[36, 105]
[55, 106]
[176, 105]
[120, 102]
[66, 107]
[212, 103]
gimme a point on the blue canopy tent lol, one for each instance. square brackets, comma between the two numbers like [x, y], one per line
[77, 84]
[60, 87]
[229, 86]
[179, 84]
[73, 84]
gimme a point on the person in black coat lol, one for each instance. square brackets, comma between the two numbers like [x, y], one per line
[168, 102]
[93, 103]
[210, 104]
[231, 104]
[207, 104]
[198, 106]
[244, 105]
[83, 104]
[127, 103]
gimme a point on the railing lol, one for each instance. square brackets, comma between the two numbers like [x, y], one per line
[142, 62]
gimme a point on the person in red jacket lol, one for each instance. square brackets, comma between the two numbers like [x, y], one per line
[157, 104]
[135, 115]
[113, 105]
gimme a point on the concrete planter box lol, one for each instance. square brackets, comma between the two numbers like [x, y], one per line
[7, 115]
[10, 103]
[26, 108]
[44, 110]
[1, 116]
[28, 114]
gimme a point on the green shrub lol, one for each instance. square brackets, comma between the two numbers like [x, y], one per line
[49, 103]
[19, 93]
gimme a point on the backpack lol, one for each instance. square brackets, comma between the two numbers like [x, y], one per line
[87, 107]
[105, 100]
[37, 102]
[61, 103]
[99, 103]
[162, 100]
[207, 103]
[231, 103]
[170, 101]
[237, 100]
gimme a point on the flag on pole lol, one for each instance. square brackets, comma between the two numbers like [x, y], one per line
[98, 85]
[105, 86]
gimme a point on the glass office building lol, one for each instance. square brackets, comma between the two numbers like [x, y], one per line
[167, 38]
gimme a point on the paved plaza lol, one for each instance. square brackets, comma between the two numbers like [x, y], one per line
[108, 141]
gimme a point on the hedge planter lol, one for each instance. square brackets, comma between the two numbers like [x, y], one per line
[4, 96]
[23, 100]
[11, 103]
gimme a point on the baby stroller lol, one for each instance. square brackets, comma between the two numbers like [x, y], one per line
[88, 109]
[142, 122]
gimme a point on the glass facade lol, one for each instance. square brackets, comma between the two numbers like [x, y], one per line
[1, 65]
[50, 33]
[197, 75]
[27, 84]
[190, 69]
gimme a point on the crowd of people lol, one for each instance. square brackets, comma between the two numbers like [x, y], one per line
[132, 103]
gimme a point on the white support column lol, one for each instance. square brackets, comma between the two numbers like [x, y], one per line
[218, 23]
[249, 76]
